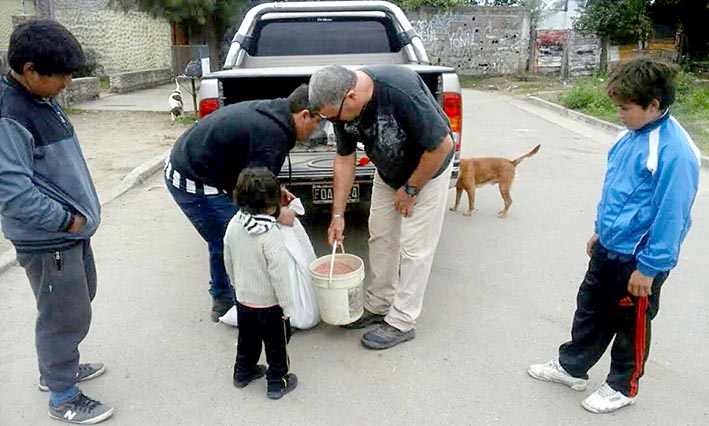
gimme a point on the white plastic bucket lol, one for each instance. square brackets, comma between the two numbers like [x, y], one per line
[341, 301]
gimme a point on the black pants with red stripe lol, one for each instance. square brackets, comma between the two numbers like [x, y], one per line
[606, 310]
[257, 325]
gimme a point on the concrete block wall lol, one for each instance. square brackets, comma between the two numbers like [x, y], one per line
[126, 82]
[8, 9]
[475, 40]
[566, 53]
[584, 54]
[4, 66]
[123, 42]
[80, 90]
[550, 51]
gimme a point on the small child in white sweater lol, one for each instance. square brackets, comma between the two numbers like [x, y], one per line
[257, 263]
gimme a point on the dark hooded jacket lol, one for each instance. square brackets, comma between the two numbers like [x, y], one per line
[43, 175]
[245, 134]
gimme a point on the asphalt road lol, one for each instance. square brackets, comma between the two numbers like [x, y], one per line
[501, 296]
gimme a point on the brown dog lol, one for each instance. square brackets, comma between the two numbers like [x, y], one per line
[476, 172]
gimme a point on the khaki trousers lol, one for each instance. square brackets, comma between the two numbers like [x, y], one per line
[401, 250]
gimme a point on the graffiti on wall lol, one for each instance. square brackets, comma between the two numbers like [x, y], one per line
[475, 40]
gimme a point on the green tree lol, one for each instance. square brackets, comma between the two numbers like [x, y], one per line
[210, 17]
[614, 20]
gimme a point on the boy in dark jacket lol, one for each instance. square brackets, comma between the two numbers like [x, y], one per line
[643, 216]
[50, 210]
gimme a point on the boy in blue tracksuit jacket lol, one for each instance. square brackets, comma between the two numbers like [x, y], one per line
[49, 210]
[642, 218]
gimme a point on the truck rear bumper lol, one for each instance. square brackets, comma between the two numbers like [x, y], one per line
[303, 181]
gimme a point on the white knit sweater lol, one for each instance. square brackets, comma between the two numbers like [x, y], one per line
[257, 265]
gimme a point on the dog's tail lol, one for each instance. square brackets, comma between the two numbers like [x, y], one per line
[529, 154]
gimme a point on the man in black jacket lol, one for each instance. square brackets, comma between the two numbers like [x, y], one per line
[206, 160]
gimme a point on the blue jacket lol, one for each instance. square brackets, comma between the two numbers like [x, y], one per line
[650, 186]
[43, 175]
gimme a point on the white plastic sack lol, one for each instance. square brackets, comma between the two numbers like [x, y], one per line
[306, 313]
[230, 318]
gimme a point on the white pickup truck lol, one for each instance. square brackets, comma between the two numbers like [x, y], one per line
[279, 45]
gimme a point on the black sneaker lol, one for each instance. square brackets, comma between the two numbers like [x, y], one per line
[365, 320]
[386, 336]
[241, 381]
[276, 390]
[86, 372]
[81, 410]
[219, 308]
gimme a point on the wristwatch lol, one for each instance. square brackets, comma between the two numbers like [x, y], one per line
[411, 191]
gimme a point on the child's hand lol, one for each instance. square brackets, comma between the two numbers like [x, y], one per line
[591, 242]
[286, 197]
[286, 217]
[640, 284]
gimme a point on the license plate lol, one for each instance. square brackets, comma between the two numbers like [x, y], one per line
[322, 194]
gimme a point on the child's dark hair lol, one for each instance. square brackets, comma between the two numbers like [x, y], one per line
[46, 44]
[642, 80]
[257, 191]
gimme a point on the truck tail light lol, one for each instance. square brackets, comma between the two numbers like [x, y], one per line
[208, 106]
[453, 107]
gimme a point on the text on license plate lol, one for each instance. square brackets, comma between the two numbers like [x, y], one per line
[322, 194]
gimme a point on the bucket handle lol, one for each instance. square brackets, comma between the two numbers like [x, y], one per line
[332, 260]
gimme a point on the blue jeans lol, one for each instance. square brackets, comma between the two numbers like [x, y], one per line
[210, 216]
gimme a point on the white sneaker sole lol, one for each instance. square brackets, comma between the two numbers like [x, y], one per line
[100, 371]
[92, 421]
[597, 411]
[579, 387]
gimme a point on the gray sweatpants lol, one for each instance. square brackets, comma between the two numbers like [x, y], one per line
[64, 284]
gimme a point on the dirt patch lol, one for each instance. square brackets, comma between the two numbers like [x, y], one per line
[516, 84]
[115, 142]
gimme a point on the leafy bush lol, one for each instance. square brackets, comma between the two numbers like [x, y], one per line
[579, 97]
[589, 95]
[684, 82]
[695, 100]
[417, 4]
[91, 67]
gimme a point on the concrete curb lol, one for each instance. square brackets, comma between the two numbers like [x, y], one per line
[593, 121]
[136, 177]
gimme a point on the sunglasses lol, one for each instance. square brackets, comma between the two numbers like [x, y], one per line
[336, 118]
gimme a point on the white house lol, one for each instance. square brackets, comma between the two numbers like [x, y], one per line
[559, 14]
